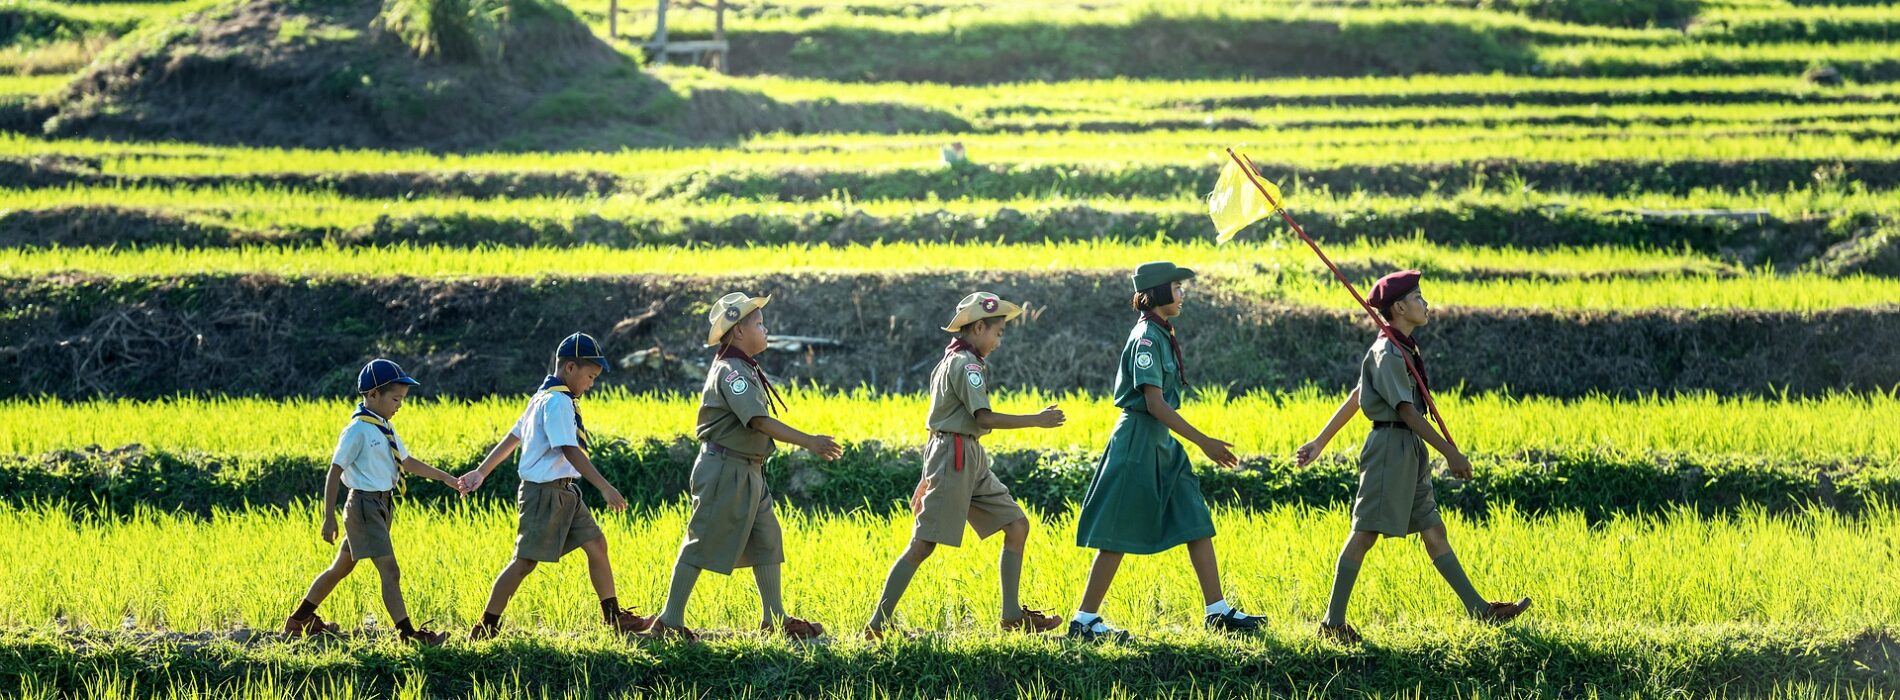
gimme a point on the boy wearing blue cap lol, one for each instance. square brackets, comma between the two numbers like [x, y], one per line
[369, 460]
[553, 520]
[1394, 498]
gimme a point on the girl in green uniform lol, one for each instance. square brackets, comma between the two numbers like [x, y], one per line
[1145, 498]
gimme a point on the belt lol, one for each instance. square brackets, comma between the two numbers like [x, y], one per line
[561, 483]
[1384, 424]
[370, 493]
[723, 451]
[957, 440]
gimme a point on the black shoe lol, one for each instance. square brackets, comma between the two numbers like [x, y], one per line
[1097, 631]
[1235, 621]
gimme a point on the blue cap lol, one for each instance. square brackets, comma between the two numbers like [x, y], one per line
[380, 372]
[581, 346]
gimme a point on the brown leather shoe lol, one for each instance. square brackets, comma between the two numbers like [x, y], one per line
[873, 634]
[424, 636]
[483, 631]
[309, 626]
[1033, 622]
[1501, 613]
[659, 631]
[1343, 634]
[629, 622]
[794, 628]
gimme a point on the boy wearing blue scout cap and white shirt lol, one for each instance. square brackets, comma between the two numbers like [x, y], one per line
[369, 460]
[553, 520]
[957, 485]
[732, 524]
[1394, 498]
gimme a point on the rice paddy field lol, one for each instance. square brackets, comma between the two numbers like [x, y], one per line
[1661, 239]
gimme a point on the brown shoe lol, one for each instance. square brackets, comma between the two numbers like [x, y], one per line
[1033, 622]
[309, 626]
[629, 622]
[659, 631]
[1343, 634]
[794, 628]
[424, 636]
[873, 634]
[483, 631]
[1501, 613]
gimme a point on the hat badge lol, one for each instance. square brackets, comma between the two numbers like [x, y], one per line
[732, 313]
[989, 305]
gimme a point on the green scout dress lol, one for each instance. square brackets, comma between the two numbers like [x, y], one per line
[1395, 477]
[1144, 498]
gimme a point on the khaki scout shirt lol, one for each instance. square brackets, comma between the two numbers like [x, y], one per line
[1384, 383]
[734, 395]
[959, 387]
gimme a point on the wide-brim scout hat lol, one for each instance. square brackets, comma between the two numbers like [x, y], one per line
[728, 310]
[1393, 287]
[380, 373]
[1155, 274]
[979, 306]
[581, 346]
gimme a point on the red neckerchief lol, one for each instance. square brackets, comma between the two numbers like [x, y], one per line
[728, 352]
[1180, 362]
[959, 345]
[1411, 348]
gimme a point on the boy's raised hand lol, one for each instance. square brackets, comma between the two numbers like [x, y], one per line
[1309, 452]
[329, 529]
[1221, 452]
[826, 447]
[1051, 417]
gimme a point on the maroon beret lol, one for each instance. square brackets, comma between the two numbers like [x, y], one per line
[1392, 288]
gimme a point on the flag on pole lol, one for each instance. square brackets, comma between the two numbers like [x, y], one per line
[1236, 202]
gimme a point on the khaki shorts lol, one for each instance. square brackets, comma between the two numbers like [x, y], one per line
[732, 525]
[553, 521]
[958, 492]
[366, 516]
[1395, 485]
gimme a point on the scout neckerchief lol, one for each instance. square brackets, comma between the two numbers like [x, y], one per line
[1410, 345]
[959, 345]
[1180, 363]
[389, 435]
[554, 384]
[728, 352]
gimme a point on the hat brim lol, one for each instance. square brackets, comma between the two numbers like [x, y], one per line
[404, 379]
[720, 326]
[1175, 275]
[1004, 310]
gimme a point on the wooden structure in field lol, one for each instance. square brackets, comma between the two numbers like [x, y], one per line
[711, 54]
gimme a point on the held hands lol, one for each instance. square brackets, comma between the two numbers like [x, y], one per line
[472, 481]
[1051, 417]
[329, 529]
[1221, 452]
[824, 446]
[460, 484]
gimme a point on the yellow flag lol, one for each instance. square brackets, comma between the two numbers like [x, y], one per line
[1235, 202]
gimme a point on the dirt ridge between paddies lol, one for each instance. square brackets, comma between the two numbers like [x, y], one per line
[259, 335]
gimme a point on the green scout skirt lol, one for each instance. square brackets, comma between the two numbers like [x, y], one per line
[1145, 498]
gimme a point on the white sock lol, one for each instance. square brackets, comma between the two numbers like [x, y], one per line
[1219, 607]
[1086, 618]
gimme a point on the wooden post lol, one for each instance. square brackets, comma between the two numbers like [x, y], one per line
[659, 35]
[719, 34]
[613, 19]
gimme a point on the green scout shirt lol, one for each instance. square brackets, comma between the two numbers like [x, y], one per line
[1147, 359]
[1384, 383]
[734, 395]
[959, 387]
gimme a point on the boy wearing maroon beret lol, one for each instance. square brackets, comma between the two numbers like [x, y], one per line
[1394, 498]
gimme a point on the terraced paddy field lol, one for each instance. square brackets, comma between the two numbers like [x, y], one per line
[1661, 240]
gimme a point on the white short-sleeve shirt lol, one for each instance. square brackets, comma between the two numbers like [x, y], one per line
[545, 428]
[363, 453]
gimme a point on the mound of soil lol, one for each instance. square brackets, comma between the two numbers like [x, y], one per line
[332, 73]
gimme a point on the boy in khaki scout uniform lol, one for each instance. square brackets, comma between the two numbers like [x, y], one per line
[1394, 498]
[553, 520]
[369, 459]
[958, 486]
[732, 525]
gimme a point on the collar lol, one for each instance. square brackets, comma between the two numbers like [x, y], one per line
[960, 345]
